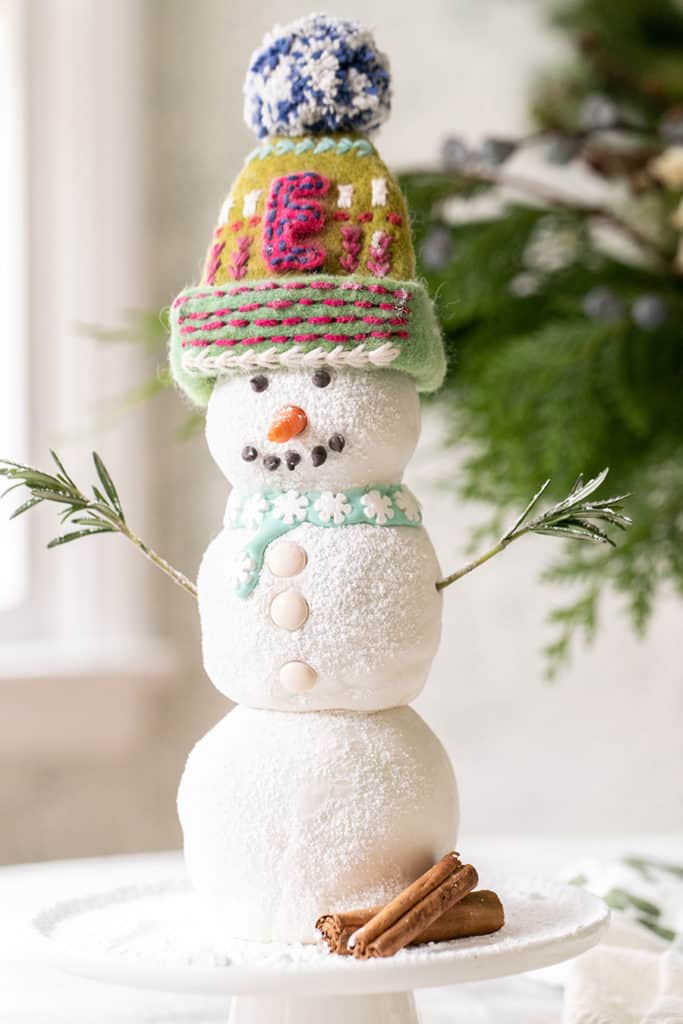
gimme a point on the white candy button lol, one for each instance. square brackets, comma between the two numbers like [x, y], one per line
[297, 677]
[289, 610]
[286, 558]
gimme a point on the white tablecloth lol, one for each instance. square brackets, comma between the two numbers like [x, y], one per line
[32, 993]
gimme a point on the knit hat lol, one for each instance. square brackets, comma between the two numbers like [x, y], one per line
[312, 261]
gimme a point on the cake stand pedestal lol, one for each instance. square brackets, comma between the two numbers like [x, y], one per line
[392, 1008]
[153, 936]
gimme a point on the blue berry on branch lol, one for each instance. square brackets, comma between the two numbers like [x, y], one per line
[649, 312]
[602, 305]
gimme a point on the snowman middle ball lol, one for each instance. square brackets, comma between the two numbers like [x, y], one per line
[340, 618]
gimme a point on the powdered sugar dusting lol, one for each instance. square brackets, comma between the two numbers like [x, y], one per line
[286, 816]
[160, 925]
[373, 626]
[377, 413]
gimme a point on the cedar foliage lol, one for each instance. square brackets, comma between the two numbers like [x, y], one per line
[538, 387]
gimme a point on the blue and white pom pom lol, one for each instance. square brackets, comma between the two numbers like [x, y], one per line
[317, 75]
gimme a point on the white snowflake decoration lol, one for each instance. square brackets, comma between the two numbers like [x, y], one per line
[377, 506]
[319, 75]
[245, 569]
[408, 505]
[290, 507]
[253, 511]
[332, 506]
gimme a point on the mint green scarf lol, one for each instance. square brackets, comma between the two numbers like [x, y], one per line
[274, 513]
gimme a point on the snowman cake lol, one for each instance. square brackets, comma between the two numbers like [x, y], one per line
[308, 341]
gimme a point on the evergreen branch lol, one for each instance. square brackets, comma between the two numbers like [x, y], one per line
[573, 517]
[473, 173]
[563, 201]
[103, 513]
[581, 615]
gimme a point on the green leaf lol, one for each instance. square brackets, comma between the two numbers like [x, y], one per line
[617, 899]
[644, 906]
[13, 487]
[107, 483]
[606, 511]
[520, 519]
[664, 933]
[592, 529]
[30, 503]
[34, 478]
[621, 899]
[147, 327]
[580, 491]
[609, 502]
[573, 532]
[105, 510]
[645, 864]
[53, 495]
[60, 466]
[68, 537]
[92, 521]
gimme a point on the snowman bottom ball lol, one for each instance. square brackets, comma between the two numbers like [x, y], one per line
[288, 815]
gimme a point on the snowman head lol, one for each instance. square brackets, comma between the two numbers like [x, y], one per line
[313, 429]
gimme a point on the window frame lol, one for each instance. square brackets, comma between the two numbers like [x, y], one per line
[90, 609]
[13, 412]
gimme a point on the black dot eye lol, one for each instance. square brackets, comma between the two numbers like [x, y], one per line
[321, 378]
[259, 382]
[271, 462]
[337, 442]
[292, 459]
[249, 453]
[318, 455]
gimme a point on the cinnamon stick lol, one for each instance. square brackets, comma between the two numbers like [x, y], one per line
[396, 908]
[478, 913]
[337, 929]
[375, 940]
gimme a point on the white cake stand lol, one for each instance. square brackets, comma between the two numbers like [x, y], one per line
[152, 936]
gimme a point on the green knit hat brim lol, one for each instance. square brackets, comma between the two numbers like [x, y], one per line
[318, 320]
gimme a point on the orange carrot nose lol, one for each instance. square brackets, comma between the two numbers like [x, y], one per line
[289, 421]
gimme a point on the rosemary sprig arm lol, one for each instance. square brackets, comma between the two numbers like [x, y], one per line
[101, 513]
[574, 517]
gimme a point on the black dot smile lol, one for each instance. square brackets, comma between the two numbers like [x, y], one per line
[292, 459]
[318, 455]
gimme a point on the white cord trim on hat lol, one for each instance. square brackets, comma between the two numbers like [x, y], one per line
[208, 364]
